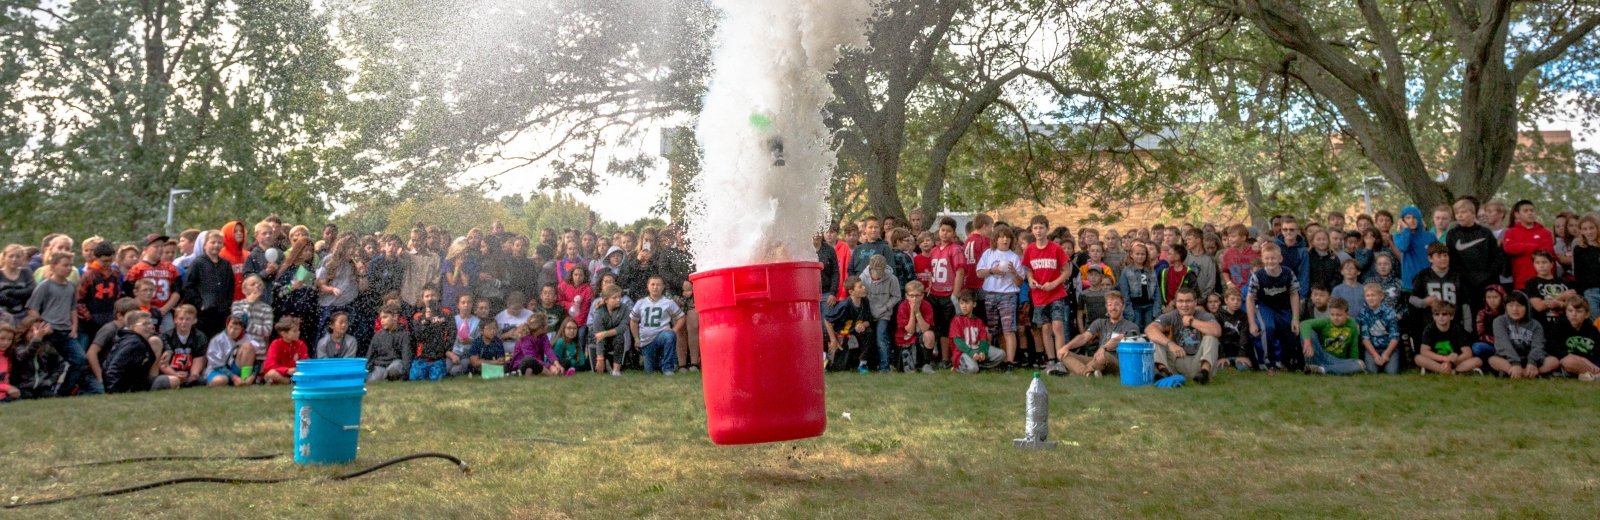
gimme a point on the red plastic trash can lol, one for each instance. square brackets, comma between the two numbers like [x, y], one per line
[761, 352]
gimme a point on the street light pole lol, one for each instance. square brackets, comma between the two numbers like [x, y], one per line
[172, 196]
[1367, 192]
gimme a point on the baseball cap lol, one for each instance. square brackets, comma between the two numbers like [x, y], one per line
[153, 238]
[242, 318]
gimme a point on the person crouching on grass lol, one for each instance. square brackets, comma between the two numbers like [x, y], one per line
[229, 350]
[1331, 344]
[971, 338]
[609, 323]
[916, 316]
[533, 355]
[1445, 347]
[389, 354]
[850, 328]
[1519, 350]
[284, 352]
[132, 364]
[1185, 338]
[652, 321]
[1099, 341]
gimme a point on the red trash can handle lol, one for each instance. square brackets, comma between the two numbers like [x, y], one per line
[752, 289]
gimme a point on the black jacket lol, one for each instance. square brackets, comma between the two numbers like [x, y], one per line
[255, 264]
[635, 280]
[208, 285]
[127, 367]
[36, 367]
[830, 270]
[14, 294]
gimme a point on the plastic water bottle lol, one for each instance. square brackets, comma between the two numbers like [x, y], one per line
[1037, 423]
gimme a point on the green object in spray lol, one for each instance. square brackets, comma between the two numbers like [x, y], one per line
[760, 120]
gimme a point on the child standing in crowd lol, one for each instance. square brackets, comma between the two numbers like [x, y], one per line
[1094, 261]
[1140, 285]
[1438, 283]
[466, 326]
[1092, 301]
[338, 343]
[1520, 342]
[1203, 264]
[1048, 272]
[54, 300]
[16, 285]
[903, 261]
[1237, 258]
[1001, 271]
[915, 316]
[1350, 288]
[1474, 251]
[1585, 262]
[949, 274]
[1523, 240]
[389, 355]
[576, 294]
[971, 338]
[883, 291]
[1380, 332]
[1324, 265]
[99, 289]
[208, 284]
[1174, 274]
[284, 353]
[1273, 308]
[1412, 241]
[550, 305]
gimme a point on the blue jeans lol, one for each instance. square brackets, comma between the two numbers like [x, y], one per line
[1392, 367]
[1142, 315]
[427, 370]
[1278, 340]
[662, 353]
[885, 341]
[1335, 366]
[1593, 295]
[78, 376]
[1483, 351]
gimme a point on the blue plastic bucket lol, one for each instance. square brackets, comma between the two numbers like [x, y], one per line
[327, 409]
[1136, 361]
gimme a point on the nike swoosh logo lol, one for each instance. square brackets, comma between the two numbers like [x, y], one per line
[1463, 246]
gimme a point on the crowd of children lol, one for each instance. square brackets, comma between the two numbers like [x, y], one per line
[1462, 292]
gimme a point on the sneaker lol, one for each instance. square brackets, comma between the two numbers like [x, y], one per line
[1316, 369]
[1007, 367]
[968, 365]
[1098, 373]
[862, 369]
[616, 371]
[1055, 366]
[667, 373]
[1203, 377]
[1422, 371]
[572, 371]
[928, 369]
[1588, 377]
[1477, 371]
[694, 368]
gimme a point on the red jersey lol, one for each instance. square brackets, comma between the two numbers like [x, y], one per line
[841, 255]
[946, 260]
[969, 329]
[1045, 263]
[924, 268]
[1236, 264]
[902, 315]
[976, 245]
[283, 355]
[164, 274]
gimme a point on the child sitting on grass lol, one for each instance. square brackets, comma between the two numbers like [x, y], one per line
[533, 355]
[1331, 343]
[337, 343]
[971, 337]
[568, 353]
[284, 352]
[916, 327]
[229, 350]
[850, 329]
[36, 366]
[487, 348]
[131, 365]
[1380, 332]
[1445, 347]
[390, 351]
[1519, 349]
[1578, 335]
[8, 341]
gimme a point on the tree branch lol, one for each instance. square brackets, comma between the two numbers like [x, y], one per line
[1533, 60]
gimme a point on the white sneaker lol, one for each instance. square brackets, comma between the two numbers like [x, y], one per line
[927, 369]
[616, 371]
[667, 373]
[1588, 377]
[968, 366]
[1097, 373]
[1316, 369]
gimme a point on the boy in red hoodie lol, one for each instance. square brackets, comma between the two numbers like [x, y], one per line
[1522, 239]
[233, 251]
[284, 353]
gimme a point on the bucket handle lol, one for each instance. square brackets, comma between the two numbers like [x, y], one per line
[759, 290]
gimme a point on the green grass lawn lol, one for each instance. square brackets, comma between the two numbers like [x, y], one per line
[1248, 446]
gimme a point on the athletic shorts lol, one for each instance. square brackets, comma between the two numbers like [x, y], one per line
[228, 372]
[1053, 311]
[1001, 311]
[943, 311]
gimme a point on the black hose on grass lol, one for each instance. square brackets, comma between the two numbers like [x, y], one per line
[264, 456]
[227, 480]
